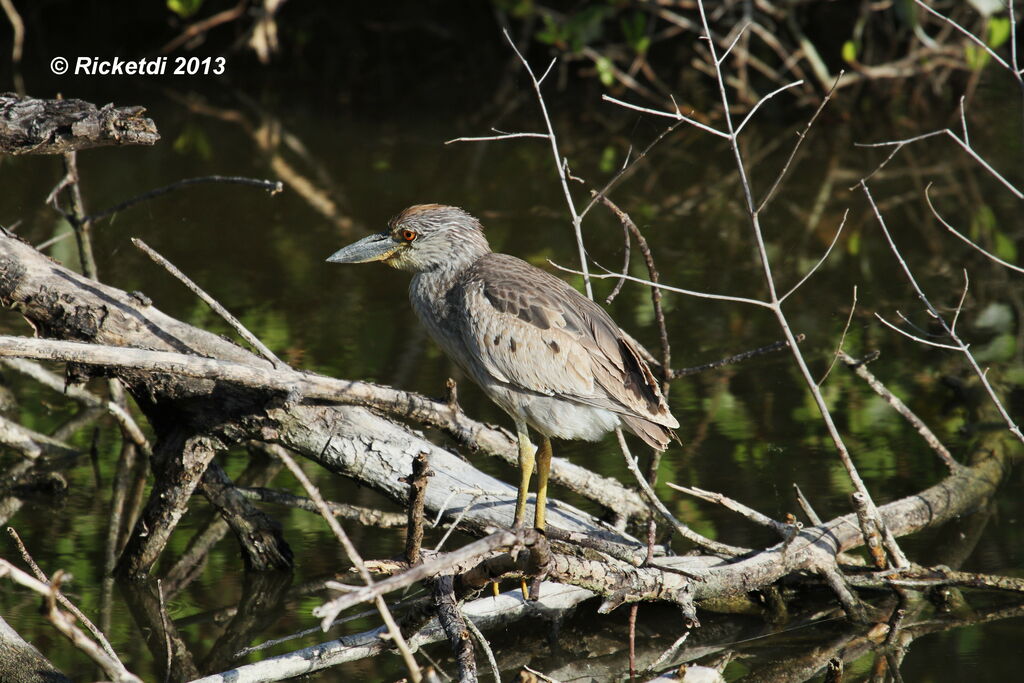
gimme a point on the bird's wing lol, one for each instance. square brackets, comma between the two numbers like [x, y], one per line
[529, 328]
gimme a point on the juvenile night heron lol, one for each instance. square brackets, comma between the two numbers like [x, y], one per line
[548, 356]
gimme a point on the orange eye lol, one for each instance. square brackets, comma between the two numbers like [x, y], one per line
[408, 235]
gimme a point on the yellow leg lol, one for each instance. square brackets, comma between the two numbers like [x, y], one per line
[526, 461]
[543, 468]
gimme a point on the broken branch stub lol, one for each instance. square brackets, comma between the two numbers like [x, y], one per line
[33, 126]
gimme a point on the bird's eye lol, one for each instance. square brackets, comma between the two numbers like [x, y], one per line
[408, 235]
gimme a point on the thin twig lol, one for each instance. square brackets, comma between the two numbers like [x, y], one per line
[677, 115]
[203, 25]
[668, 654]
[683, 530]
[486, 647]
[679, 290]
[652, 271]
[861, 369]
[973, 38]
[965, 238]
[562, 176]
[61, 598]
[736, 358]
[823, 258]
[211, 302]
[959, 344]
[842, 338]
[900, 144]
[805, 504]
[271, 186]
[627, 168]
[357, 561]
[801, 136]
[18, 26]
[784, 530]
[499, 136]
[753, 110]
[919, 339]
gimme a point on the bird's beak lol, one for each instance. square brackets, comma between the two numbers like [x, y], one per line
[377, 247]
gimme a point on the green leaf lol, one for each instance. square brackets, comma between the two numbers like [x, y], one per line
[605, 71]
[608, 157]
[975, 57]
[998, 31]
[1005, 247]
[634, 28]
[184, 8]
[850, 51]
[853, 244]
[552, 33]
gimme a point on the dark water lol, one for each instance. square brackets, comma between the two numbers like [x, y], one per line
[750, 431]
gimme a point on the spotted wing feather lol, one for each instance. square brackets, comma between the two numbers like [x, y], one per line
[533, 330]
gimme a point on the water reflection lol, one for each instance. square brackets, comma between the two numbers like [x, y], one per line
[749, 430]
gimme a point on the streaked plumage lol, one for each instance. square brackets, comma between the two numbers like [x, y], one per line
[551, 358]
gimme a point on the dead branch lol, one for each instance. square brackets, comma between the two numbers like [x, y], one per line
[451, 620]
[861, 369]
[417, 488]
[31, 126]
[64, 622]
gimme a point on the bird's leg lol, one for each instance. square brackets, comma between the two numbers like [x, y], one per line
[543, 468]
[526, 461]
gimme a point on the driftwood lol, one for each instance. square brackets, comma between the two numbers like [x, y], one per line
[193, 417]
[20, 662]
[201, 393]
[31, 126]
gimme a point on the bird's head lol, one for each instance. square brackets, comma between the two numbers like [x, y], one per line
[421, 238]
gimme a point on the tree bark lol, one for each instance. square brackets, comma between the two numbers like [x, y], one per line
[31, 126]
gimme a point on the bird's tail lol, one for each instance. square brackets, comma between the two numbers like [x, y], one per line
[653, 434]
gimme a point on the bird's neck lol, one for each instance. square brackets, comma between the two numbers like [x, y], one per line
[432, 286]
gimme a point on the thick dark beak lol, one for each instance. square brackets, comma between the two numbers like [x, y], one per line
[377, 247]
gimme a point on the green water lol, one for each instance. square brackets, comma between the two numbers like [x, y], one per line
[749, 431]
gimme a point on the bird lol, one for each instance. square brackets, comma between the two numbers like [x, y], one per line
[550, 357]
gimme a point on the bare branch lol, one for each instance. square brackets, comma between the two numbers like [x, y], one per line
[353, 555]
[210, 301]
[991, 256]
[920, 340]
[761, 101]
[111, 666]
[959, 344]
[801, 136]
[753, 515]
[970, 36]
[739, 34]
[842, 338]
[577, 228]
[860, 367]
[683, 530]
[824, 257]
[500, 136]
[899, 144]
[271, 186]
[703, 295]
[671, 115]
